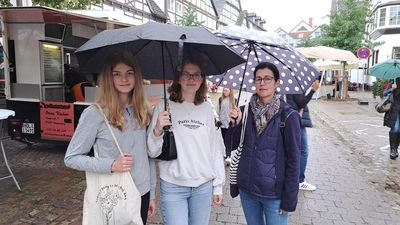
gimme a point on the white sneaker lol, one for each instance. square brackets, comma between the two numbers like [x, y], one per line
[306, 186]
[228, 161]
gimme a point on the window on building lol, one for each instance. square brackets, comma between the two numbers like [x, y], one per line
[203, 5]
[396, 53]
[375, 21]
[283, 36]
[301, 35]
[382, 18]
[394, 15]
[179, 8]
[171, 5]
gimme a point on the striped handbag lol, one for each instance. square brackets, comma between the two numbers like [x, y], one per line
[235, 157]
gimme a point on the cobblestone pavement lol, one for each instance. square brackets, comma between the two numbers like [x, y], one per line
[349, 163]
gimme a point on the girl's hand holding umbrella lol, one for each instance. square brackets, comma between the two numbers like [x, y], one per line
[394, 86]
[235, 115]
[162, 120]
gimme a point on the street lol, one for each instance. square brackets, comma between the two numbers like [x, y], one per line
[349, 163]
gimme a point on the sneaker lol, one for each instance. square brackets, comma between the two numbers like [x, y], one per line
[306, 186]
[228, 161]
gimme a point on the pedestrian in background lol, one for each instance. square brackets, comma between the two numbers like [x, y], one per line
[121, 94]
[299, 102]
[226, 103]
[392, 118]
[193, 182]
[268, 169]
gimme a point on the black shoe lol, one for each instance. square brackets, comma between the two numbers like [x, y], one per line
[393, 153]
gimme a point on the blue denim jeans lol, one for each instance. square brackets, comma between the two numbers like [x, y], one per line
[186, 205]
[259, 211]
[303, 154]
[396, 128]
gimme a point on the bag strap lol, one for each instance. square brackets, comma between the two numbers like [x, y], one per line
[282, 126]
[168, 128]
[109, 127]
[244, 119]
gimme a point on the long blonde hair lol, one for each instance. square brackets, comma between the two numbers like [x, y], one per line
[231, 99]
[108, 97]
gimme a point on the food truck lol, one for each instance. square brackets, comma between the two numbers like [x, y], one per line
[37, 42]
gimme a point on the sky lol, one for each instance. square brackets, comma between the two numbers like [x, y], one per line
[286, 14]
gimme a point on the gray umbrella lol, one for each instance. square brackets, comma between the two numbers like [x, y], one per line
[155, 46]
[296, 72]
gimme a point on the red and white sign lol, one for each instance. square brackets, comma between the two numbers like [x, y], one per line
[56, 120]
[363, 53]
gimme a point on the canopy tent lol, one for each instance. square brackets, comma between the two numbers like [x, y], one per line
[323, 52]
[333, 65]
[328, 53]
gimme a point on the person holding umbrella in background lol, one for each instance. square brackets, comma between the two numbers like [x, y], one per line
[392, 118]
[268, 168]
[193, 182]
[390, 69]
[299, 102]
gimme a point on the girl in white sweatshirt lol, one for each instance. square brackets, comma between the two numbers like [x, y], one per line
[193, 182]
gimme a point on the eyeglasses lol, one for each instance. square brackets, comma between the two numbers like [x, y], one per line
[266, 80]
[187, 76]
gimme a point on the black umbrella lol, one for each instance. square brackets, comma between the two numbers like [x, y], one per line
[154, 44]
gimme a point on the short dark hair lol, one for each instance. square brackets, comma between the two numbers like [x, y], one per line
[272, 67]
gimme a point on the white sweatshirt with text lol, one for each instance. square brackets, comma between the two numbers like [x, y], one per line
[200, 158]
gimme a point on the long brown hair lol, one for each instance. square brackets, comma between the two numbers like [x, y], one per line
[175, 90]
[231, 99]
[108, 96]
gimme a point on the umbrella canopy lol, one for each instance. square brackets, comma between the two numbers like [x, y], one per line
[323, 52]
[389, 69]
[296, 72]
[156, 48]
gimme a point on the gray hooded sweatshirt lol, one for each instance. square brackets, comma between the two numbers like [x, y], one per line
[93, 131]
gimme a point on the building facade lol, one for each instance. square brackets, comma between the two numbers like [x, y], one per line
[300, 31]
[386, 27]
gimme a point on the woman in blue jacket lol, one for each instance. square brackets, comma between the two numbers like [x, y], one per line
[268, 169]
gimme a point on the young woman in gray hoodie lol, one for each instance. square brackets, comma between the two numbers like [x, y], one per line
[122, 97]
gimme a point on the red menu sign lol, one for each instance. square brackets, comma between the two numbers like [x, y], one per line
[56, 120]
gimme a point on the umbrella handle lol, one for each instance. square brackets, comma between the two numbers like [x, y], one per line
[235, 118]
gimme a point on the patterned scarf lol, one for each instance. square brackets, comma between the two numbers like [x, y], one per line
[264, 113]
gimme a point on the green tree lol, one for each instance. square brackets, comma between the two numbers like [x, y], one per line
[189, 18]
[5, 3]
[347, 29]
[308, 42]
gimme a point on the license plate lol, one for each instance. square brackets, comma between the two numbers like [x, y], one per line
[28, 128]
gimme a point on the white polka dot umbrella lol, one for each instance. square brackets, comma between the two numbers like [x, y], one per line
[296, 72]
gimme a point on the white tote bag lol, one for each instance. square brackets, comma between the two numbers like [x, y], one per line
[111, 198]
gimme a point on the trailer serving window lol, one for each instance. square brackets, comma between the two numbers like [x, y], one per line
[52, 63]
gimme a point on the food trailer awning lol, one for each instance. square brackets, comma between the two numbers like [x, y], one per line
[40, 14]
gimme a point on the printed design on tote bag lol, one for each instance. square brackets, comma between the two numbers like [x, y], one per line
[109, 196]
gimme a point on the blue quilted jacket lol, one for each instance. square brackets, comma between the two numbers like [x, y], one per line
[265, 169]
